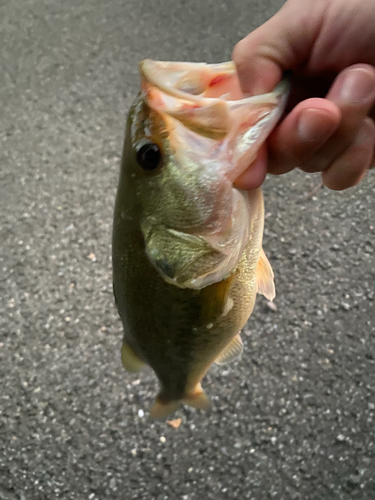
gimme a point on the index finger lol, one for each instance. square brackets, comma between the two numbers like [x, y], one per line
[282, 43]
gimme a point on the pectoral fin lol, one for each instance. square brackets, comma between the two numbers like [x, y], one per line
[264, 277]
[215, 300]
[130, 360]
[231, 352]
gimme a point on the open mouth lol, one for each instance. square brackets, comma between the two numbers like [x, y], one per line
[195, 81]
[209, 82]
[207, 100]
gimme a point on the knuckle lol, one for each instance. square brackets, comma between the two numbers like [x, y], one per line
[239, 54]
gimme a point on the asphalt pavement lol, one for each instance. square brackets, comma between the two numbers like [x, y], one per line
[294, 418]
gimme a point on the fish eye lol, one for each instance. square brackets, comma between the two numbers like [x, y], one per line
[149, 156]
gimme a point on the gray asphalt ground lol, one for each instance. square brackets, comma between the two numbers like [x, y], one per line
[294, 419]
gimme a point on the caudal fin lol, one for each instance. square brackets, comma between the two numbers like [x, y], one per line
[196, 398]
[162, 410]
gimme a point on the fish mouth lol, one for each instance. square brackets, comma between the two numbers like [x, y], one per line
[201, 81]
[193, 81]
[206, 99]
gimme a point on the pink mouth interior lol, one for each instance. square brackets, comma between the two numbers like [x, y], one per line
[226, 85]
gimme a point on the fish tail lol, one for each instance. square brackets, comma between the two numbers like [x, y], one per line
[196, 398]
[162, 410]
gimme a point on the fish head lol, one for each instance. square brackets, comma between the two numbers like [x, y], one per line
[191, 133]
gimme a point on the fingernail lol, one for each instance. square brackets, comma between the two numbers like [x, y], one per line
[313, 126]
[358, 86]
[365, 133]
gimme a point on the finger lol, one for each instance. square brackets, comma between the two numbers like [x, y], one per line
[301, 134]
[282, 43]
[254, 176]
[353, 92]
[347, 170]
[313, 141]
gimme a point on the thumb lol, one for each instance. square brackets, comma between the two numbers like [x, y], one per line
[282, 43]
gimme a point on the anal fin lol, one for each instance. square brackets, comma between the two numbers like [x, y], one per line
[231, 352]
[264, 277]
[130, 361]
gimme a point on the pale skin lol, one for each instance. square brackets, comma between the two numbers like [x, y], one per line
[329, 126]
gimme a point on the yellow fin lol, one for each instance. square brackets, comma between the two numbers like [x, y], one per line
[215, 300]
[264, 277]
[130, 360]
[197, 398]
[162, 410]
[231, 352]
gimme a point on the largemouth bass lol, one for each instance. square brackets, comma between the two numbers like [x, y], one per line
[187, 245]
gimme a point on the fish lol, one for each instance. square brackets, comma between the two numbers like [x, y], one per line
[187, 250]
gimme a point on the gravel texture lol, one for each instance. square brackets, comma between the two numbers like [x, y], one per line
[294, 419]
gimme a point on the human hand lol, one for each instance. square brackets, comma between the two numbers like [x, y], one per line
[329, 124]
